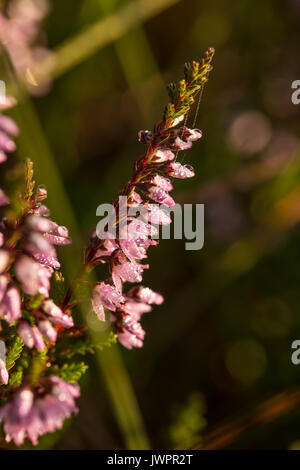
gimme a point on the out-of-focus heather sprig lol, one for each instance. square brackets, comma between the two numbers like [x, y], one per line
[37, 389]
[21, 34]
[38, 378]
[150, 182]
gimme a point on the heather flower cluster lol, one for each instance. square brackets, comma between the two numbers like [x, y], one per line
[39, 410]
[28, 316]
[151, 182]
[38, 378]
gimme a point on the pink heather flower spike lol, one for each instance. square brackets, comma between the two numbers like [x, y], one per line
[150, 177]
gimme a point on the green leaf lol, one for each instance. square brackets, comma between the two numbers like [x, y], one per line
[16, 378]
[88, 346]
[35, 302]
[14, 352]
[72, 372]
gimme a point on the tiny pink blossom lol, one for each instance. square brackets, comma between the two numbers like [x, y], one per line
[136, 309]
[3, 286]
[156, 215]
[42, 250]
[26, 334]
[105, 296]
[178, 120]
[4, 259]
[47, 330]
[6, 143]
[130, 271]
[38, 338]
[160, 196]
[132, 336]
[4, 377]
[180, 144]
[162, 182]
[107, 248]
[192, 134]
[56, 315]
[135, 199]
[10, 307]
[163, 155]
[176, 170]
[34, 278]
[145, 294]
[8, 125]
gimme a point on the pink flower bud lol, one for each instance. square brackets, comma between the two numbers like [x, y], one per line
[3, 285]
[146, 295]
[177, 120]
[36, 222]
[4, 377]
[47, 330]
[33, 276]
[25, 332]
[160, 196]
[10, 308]
[6, 143]
[161, 182]
[38, 338]
[180, 144]
[4, 259]
[56, 315]
[176, 170]
[163, 155]
[8, 125]
[192, 134]
[24, 402]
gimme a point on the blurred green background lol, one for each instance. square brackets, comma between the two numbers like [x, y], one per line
[220, 345]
